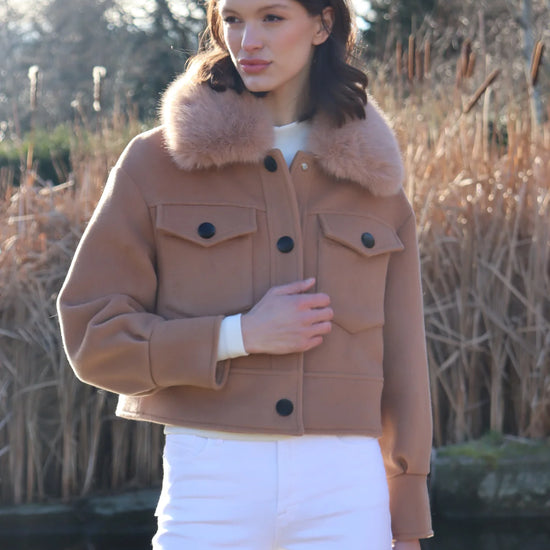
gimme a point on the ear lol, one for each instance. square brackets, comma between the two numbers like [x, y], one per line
[325, 23]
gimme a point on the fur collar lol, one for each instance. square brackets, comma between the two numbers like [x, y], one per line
[207, 129]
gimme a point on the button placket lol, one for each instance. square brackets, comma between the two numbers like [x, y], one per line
[284, 226]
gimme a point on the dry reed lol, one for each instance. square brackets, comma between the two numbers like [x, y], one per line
[536, 62]
[411, 57]
[56, 434]
[482, 202]
[481, 90]
[483, 210]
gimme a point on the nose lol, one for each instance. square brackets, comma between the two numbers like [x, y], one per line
[251, 39]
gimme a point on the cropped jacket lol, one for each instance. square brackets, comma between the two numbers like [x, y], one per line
[198, 219]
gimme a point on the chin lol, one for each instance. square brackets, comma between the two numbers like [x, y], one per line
[255, 89]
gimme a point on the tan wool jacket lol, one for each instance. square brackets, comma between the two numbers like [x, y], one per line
[199, 218]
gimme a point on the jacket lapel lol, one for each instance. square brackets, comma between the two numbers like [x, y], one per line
[208, 129]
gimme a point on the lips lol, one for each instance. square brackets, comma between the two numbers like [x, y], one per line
[254, 66]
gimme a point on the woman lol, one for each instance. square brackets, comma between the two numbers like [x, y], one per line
[250, 279]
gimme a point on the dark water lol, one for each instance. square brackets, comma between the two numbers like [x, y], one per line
[490, 535]
[450, 535]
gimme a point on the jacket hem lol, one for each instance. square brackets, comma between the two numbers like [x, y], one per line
[157, 419]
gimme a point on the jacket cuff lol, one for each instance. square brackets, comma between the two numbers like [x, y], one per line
[410, 507]
[183, 352]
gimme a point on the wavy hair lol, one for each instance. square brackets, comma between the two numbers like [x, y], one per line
[336, 87]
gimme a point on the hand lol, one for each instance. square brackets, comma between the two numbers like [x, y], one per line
[406, 545]
[287, 320]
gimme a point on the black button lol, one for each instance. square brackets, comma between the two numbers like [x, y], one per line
[270, 164]
[284, 407]
[206, 230]
[285, 244]
[367, 239]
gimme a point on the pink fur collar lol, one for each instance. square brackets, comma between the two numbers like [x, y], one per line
[205, 129]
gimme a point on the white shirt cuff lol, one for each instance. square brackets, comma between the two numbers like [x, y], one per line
[230, 343]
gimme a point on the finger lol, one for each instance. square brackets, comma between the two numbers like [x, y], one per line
[319, 300]
[313, 343]
[313, 301]
[319, 315]
[322, 328]
[296, 287]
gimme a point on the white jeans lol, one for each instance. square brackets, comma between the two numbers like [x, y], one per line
[298, 493]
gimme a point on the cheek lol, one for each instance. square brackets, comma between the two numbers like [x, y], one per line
[232, 41]
[298, 48]
[298, 39]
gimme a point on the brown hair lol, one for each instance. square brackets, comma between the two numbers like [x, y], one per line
[336, 87]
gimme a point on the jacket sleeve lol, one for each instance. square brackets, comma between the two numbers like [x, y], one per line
[112, 336]
[406, 407]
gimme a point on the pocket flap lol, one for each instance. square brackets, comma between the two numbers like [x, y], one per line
[367, 236]
[205, 225]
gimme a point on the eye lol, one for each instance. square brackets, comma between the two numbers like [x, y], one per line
[270, 18]
[230, 20]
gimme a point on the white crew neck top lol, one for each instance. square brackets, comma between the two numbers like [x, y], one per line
[291, 138]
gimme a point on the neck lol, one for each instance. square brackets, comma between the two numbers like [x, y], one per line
[288, 104]
[283, 110]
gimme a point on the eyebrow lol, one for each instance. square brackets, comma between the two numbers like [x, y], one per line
[264, 8]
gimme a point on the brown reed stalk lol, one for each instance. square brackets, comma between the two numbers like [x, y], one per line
[411, 58]
[470, 104]
[427, 58]
[536, 62]
[465, 54]
[399, 58]
[419, 70]
[471, 65]
[462, 63]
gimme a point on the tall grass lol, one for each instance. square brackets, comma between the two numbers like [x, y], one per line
[58, 437]
[478, 174]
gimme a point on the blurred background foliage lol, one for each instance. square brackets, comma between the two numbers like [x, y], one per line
[144, 44]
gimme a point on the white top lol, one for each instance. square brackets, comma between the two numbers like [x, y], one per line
[289, 139]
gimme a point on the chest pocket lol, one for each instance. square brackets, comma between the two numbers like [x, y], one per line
[353, 258]
[205, 258]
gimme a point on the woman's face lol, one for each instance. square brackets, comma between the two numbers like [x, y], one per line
[271, 43]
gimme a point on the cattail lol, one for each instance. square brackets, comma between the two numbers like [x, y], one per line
[33, 73]
[410, 64]
[427, 58]
[481, 90]
[99, 73]
[466, 52]
[418, 65]
[463, 61]
[471, 65]
[398, 57]
[536, 62]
